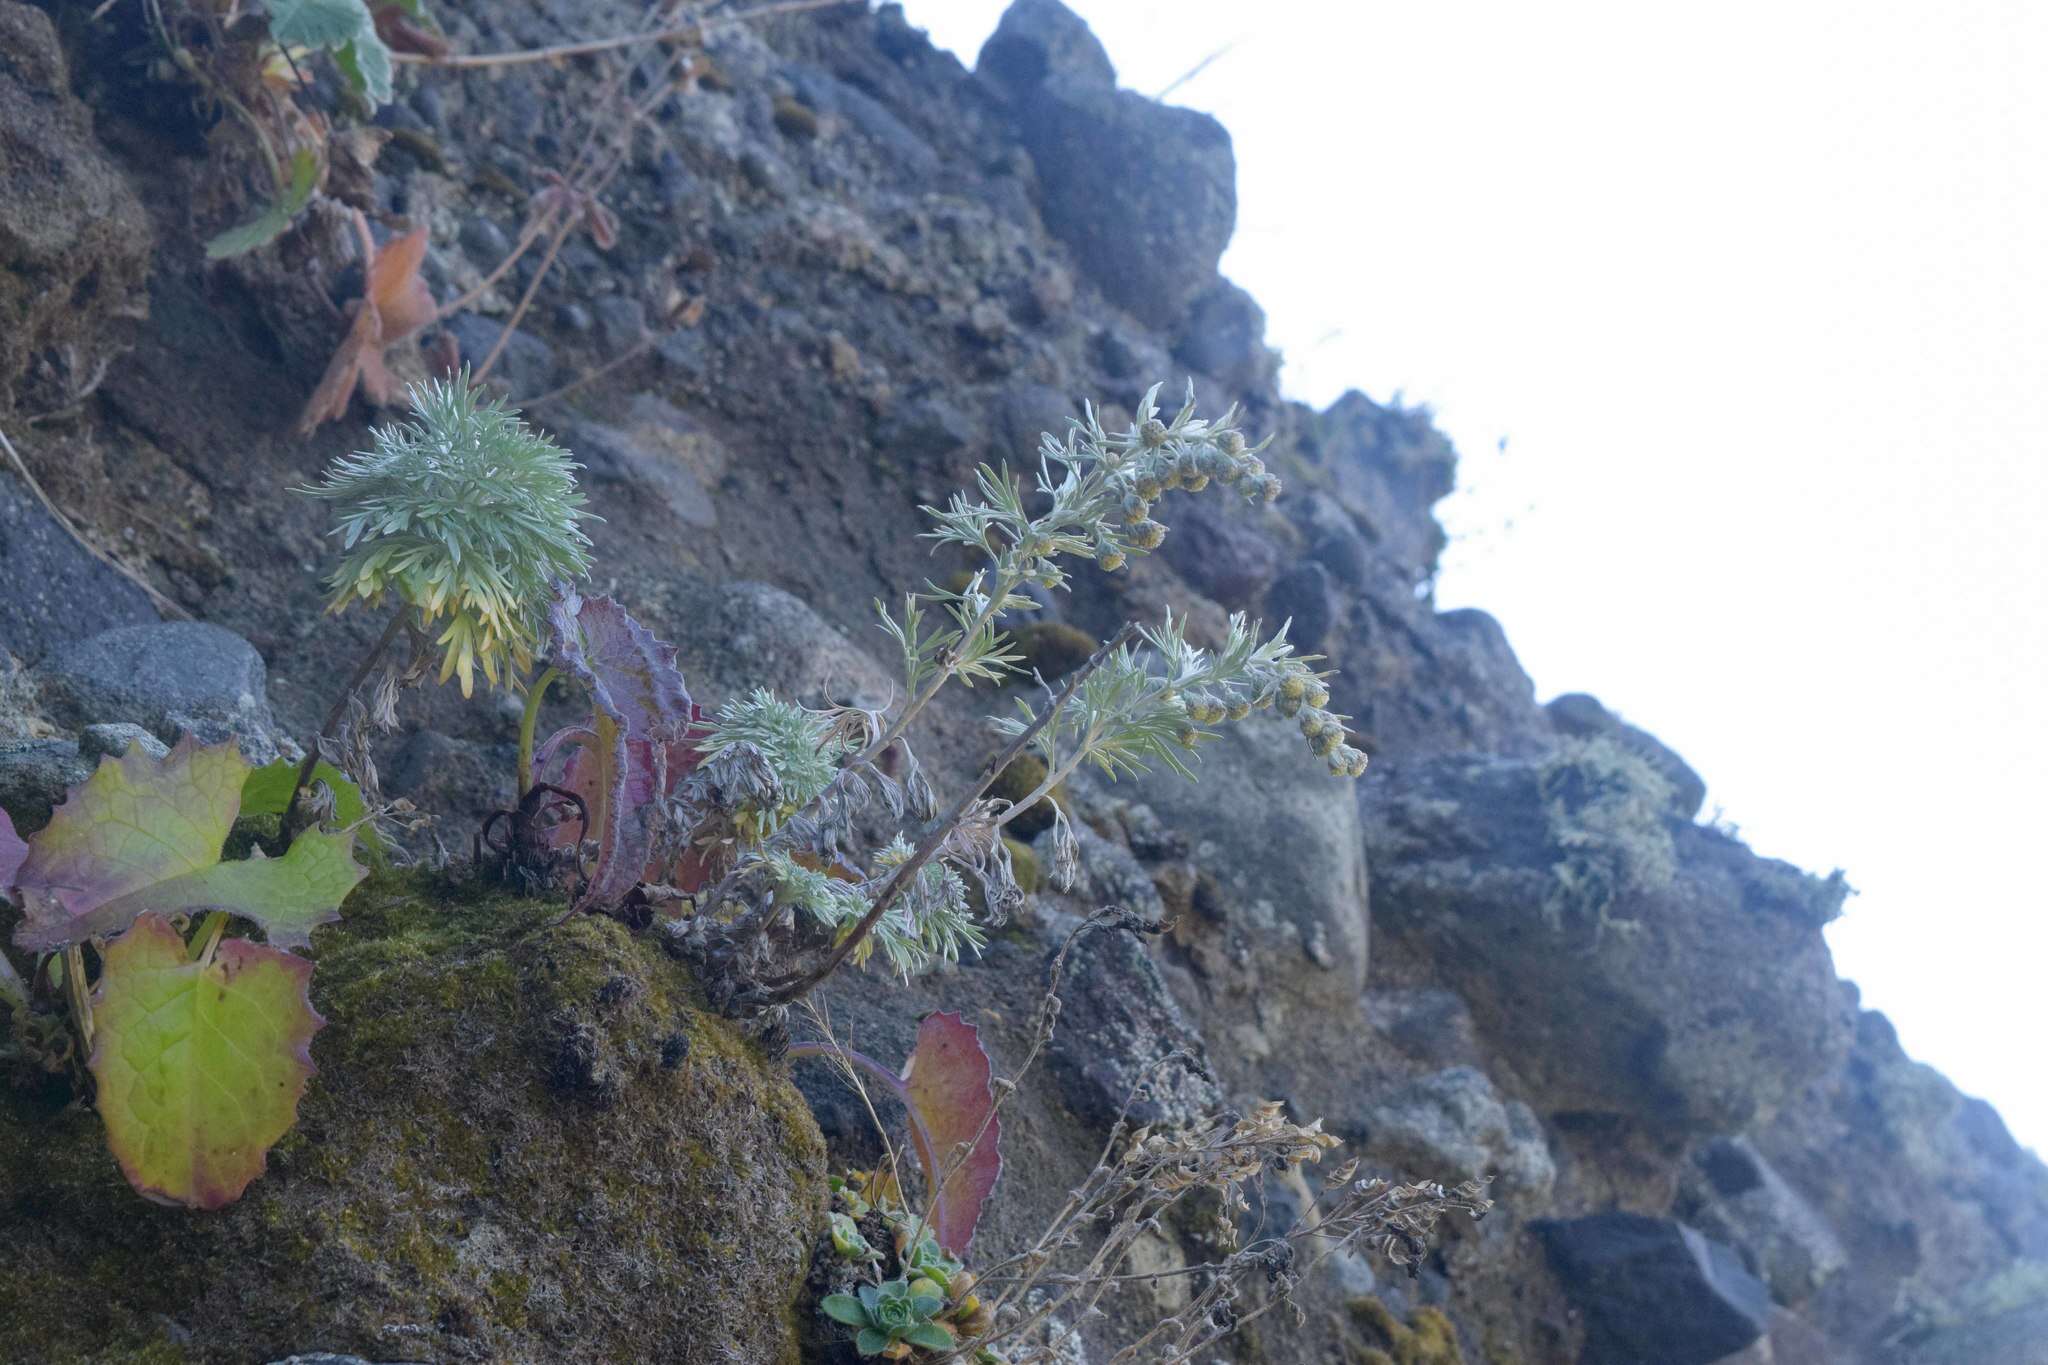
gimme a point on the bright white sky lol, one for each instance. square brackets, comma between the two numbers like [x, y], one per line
[1757, 295]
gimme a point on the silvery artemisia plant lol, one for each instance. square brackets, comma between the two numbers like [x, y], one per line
[1141, 706]
[796, 780]
[463, 513]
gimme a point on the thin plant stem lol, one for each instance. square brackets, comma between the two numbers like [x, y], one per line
[527, 721]
[210, 930]
[334, 716]
[78, 995]
[562, 232]
[793, 987]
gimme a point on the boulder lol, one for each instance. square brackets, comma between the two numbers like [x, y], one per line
[1621, 961]
[1118, 1024]
[56, 590]
[1650, 1289]
[1221, 552]
[1583, 717]
[35, 775]
[1224, 336]
[658, 451]
[523, 1138]
[1040, 39]
[74, 238]
[1733, 1195]
[176, 678]
[1452, 1126]
[1144, 194]
[1282, 943]
[739, 636]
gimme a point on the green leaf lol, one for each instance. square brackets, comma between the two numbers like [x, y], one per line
[347, 29]
[844, 1308]
[199, 1065]
[317, 23]
[871, 1342]
[268, 791]
[367, 64]
[276, 217]
[931, 1336]
[143, 834]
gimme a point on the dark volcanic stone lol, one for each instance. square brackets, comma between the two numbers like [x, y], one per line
[1305, 596]
[1225, 336]
[55, 591]
[1583, 717]
[1220, 553]
[1654, 1290]
[177, 678]
[1039, 39]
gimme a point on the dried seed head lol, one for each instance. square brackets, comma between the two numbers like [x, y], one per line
[1152, 433]
[1149, 488]
[1148, 535]
[1109, 560]
[1136, 509]
[1231, 443]
[1196, 482]
[1269, 487]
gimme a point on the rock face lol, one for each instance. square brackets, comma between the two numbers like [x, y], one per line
[519, 1143]
[56, 591]
[1145, 194]
[864, 269]
[174, 679]
[1653, 1289]
[1575, 916]
[74, 241]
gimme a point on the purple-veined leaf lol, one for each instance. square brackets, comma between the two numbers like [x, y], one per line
[635, 746]
[12, 851]
[632, 676]
[146, 834]
[947, 1090]
[199, 1064]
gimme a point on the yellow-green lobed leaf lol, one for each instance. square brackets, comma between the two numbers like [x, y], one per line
[199, 1064]
[142, 834]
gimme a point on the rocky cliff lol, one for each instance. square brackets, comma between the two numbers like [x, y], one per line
[846, 270]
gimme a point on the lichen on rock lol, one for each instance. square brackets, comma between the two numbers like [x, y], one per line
[525, 1142]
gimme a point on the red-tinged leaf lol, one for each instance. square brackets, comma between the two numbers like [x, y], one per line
[948, 1086]
[12, 851]
[637, 743]
[329, 402]
[397, 26]
[146, 834]
[200, 1065]
[632, 676]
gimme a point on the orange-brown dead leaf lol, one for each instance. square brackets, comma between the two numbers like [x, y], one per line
[395, 304]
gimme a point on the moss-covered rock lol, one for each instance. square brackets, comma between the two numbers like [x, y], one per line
[524, 1143]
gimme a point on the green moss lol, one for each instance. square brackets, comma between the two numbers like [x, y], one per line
[1024, 864]
[1427, 1338]
[528, 1140]
[1017, 782]
[1604, 809]
[1053, 648]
